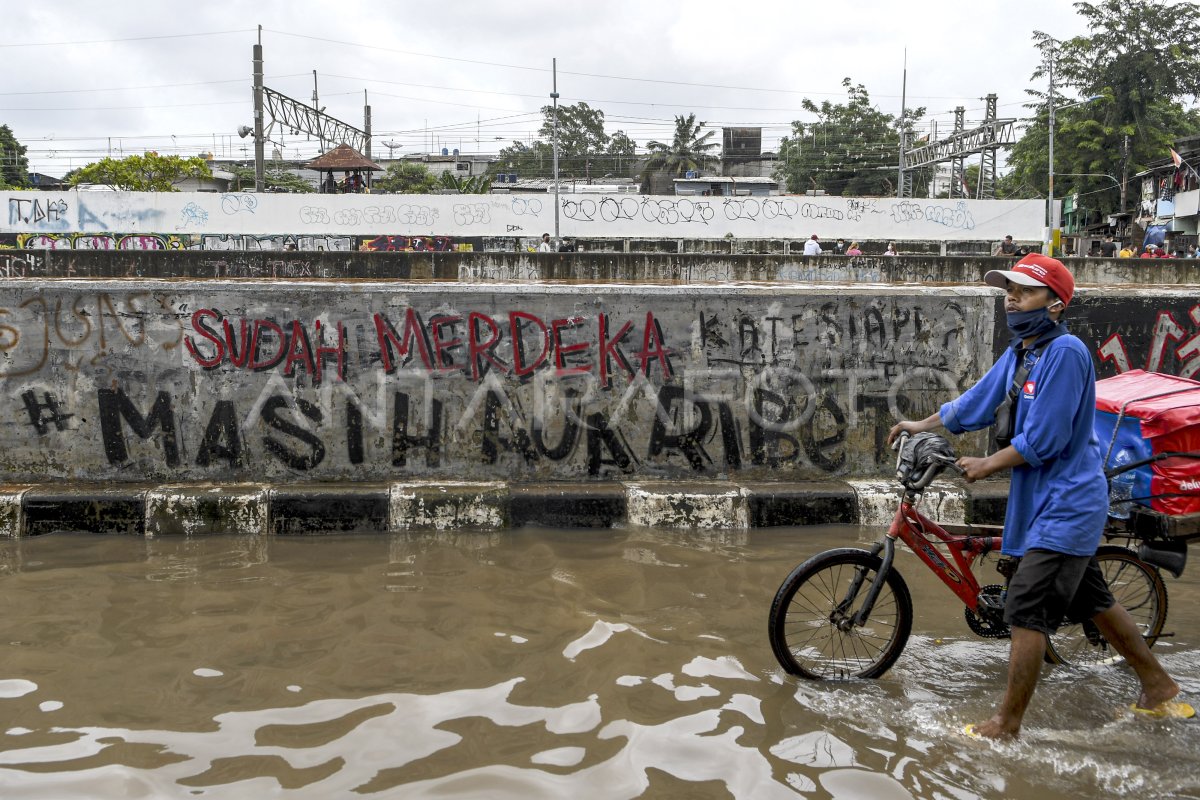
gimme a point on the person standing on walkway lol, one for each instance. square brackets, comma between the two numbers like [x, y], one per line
[545, 246]
[891, 250]
[1058, 497]
[1006, 248]
[1108, 248]
[812, 247]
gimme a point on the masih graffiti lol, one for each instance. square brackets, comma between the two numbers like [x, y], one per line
[230, 382]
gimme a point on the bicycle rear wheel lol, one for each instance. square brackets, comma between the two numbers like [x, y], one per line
[810, 623]
[1138, 587]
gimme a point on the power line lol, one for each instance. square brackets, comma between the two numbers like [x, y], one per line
[151, 86]
[362, 46]
[128, 39]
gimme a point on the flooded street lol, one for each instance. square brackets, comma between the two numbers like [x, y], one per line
[528, 664]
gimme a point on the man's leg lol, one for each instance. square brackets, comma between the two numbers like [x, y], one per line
[1121, 632]
[1024, 668]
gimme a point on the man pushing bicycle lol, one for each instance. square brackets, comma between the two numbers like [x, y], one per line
[1041, 396]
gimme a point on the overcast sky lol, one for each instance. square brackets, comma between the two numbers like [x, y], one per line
[83, 78]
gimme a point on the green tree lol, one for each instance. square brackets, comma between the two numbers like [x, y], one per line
[471, 184]
[277, 179]
[852, 148]
[622, 151]
[149, 172]
[14, 166]
[585, 151]
[688, 150]
[529, 160]
[1140, 71]
[581, 138]
[405, 177]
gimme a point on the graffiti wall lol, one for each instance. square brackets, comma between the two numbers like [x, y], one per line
[173, 214]
[283, 381]
[235, 242]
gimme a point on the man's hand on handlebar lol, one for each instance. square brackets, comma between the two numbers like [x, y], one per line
[913, 426]
[974, 468]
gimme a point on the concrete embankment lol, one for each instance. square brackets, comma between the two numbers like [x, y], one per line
[146, 405]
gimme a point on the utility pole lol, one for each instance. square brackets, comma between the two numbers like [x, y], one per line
[1124, 172]
[367, 125]
[1050, 215]
[317, 108]
[903, 118]
[259, 176]
[554, 97]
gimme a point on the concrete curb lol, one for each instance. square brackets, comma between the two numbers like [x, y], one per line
[320, 509]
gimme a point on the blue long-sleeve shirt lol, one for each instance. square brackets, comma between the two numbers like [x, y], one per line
[1058, 499]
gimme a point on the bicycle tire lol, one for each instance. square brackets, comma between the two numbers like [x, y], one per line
[1138, 587]
[802, 627]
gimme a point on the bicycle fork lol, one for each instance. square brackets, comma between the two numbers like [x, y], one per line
[888, 548]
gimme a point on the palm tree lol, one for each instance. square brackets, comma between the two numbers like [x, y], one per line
[688, 150]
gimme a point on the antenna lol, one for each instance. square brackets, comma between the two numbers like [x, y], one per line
[391, 146]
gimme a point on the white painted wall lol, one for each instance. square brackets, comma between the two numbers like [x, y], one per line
[651, 217]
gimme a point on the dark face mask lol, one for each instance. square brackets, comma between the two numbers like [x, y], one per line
[1023, 324]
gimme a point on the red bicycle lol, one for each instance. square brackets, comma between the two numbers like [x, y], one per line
[847, 612]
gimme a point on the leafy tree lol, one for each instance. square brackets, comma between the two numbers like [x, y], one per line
[405, 177]
[532, 160]
[621, 153]
[1140, 58]
[581, 137]
[471, 184]
[852, 149]
[275, 180]
[584, 149]
[143, 173]
[688, 150]
[14, 166]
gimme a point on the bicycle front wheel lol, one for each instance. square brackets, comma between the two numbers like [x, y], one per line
[1138, 587]
[811, 622]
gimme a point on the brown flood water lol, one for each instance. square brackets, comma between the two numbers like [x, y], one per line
[534, 664]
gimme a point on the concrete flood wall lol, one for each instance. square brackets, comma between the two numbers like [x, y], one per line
[537, 267]
[303, 406]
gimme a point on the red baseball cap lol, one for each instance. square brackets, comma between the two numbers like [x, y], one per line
[1036, 269]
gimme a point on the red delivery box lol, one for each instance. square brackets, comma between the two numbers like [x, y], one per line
[1142, 414]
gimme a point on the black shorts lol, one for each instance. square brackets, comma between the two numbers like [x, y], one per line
[1049, 587]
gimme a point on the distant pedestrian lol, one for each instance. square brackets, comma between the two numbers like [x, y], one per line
[839, 247]
[290, 246]
[812, 247]
[1126, 251]
[1108, 248]
[545, 246]
[853, 250]
[1006, 248]
[567, 246]
[1192, 252]
[891, 250]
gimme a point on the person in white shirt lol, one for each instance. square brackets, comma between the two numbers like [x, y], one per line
[545, 246]
[812, 247]
[891, 250]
